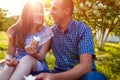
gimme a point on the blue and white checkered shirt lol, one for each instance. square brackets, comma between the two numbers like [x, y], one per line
[68, 46]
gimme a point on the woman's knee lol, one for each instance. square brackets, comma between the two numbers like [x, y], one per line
[94, 76]
[27, 58]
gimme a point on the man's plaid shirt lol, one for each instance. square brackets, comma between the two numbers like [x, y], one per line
[68, 46]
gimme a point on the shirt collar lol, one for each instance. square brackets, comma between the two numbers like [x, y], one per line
[69, 27]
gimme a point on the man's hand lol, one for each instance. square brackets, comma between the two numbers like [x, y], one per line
[12, 62]
[46, 76]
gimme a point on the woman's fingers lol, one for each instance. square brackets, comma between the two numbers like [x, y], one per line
[12, 62]
[28, 49]
[15, 61]
[34, 45]
[31, 48]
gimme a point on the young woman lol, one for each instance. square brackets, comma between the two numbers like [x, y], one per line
[24, 55]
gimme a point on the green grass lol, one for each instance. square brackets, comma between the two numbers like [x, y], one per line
[109, 63]
[3, 41]
[3, 44]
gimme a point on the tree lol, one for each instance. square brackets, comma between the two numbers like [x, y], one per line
[2, 16]
[48, 18]
[5, 21]
[102, 16]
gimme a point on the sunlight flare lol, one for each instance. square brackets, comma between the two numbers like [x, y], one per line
[33, 1]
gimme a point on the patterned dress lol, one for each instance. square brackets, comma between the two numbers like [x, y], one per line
[44, 35]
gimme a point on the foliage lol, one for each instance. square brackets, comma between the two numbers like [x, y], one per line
[50, 60]
[2, 55]
[3, 44]
[99, 15]
[102, 16]
[48, 20]
[109, 63]
[5, 21]
[117, 30]
[3, 41]
[48, 17]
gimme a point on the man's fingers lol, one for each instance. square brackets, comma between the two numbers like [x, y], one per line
[39, 77]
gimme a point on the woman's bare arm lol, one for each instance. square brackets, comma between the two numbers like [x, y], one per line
[43, 51]
[11, 44]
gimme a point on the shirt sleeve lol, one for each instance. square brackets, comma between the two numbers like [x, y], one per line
[86, 44]
[48, 34]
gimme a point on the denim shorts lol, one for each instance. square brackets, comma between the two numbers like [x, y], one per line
[55, 70]
[42, 66]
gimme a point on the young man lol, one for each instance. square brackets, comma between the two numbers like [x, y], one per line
[72, 45]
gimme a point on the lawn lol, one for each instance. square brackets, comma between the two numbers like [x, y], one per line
[107, 62]
[3, 44]
[3, 40]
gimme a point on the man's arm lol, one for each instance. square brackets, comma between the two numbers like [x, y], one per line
[73, 74]
[78, 71]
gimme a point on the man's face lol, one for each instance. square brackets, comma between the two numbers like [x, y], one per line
[58, 12]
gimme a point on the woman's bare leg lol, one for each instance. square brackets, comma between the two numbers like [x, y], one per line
[6, 72]
[26, 65]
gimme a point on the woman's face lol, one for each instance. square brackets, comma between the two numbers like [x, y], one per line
[38, 15]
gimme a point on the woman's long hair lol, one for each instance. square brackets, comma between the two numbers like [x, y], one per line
[24, 24]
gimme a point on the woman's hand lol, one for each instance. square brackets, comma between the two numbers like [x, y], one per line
[31, 49]
[12, 62]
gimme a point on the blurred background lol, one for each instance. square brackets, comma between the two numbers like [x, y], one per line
[102, 16]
